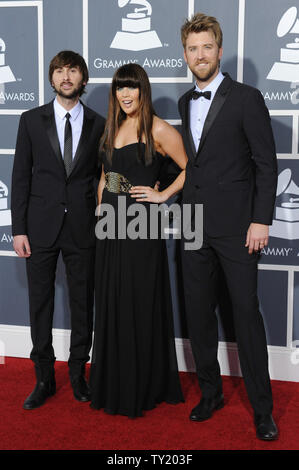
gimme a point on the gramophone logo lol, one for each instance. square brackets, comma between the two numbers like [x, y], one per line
[5, 214]
[136, 33]
[6, 75]
[287, 70]
[286, 222]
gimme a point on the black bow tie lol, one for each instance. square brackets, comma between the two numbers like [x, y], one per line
[196, 94]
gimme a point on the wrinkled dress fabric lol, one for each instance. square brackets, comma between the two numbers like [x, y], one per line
[134, 365]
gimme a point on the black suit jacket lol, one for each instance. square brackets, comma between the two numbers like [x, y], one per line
[41, 191]
[234, 172]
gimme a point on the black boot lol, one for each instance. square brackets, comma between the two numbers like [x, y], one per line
[44, 388]
[80, 388]
[266, 429]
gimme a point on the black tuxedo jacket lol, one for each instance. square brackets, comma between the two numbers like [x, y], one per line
[234, 172]
[41, 191]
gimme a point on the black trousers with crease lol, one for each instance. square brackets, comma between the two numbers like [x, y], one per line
[200, 276]
[41, 272]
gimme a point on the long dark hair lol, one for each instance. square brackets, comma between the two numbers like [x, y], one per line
[133, 76]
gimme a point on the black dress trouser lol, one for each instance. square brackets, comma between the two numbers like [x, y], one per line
[200, 274]
[41, 271]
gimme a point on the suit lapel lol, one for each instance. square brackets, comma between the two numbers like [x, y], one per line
[84, 140]
[186, 120]
[215, 107]
[50, 124]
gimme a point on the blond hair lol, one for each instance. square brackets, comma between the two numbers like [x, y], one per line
[201, 22]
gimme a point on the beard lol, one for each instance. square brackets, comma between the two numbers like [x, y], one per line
[70, 96]
[205, 75]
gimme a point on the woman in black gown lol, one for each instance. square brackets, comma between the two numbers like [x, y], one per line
[134, 363]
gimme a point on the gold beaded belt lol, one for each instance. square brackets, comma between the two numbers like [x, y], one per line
[117, 183]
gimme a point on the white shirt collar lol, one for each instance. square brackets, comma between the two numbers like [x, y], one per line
[213, 85]
[61, 111]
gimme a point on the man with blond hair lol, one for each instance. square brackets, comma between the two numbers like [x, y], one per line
[232, 172]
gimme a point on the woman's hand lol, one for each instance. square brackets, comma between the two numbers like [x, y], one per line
[147, 194]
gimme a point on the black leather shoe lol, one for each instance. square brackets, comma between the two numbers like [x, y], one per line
[266, 429]
[205, 408]
[80, 388]
[41, 392]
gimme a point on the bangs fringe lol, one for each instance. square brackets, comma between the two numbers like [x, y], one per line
[122, 82]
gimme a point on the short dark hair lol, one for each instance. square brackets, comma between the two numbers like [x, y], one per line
[69, 59]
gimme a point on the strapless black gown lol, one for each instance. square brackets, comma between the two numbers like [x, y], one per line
[134, 365]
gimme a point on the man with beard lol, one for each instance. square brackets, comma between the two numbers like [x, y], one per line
[232, 172]
[53, 212]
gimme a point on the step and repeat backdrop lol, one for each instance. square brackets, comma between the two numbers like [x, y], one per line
[261, 48]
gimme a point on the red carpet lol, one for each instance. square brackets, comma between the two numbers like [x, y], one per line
[64, 424]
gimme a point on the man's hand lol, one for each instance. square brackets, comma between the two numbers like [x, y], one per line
[257, 237]
[21, 246]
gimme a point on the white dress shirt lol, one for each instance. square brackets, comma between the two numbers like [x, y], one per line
[199, 109]
[76, 121]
